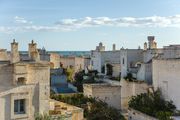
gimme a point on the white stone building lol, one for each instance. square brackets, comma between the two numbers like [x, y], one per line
[114, 93]
[76, 62]
[166, 76]
[3, 55]
[24, 85]
[55, 60]
[111, 94]
[139, 62]
[131, 59]
[100, 57]
[129, 89]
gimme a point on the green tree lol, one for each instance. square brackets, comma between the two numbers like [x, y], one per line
[79, 80]
[70, 73]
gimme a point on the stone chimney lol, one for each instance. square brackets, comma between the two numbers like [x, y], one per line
[33, 52]
[155, 44]
[14, 52]
[145, 46]
[100, 47]
[151, 41]
[114, 47]
[100, 44]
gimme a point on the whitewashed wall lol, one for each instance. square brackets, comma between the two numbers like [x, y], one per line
[166, 76]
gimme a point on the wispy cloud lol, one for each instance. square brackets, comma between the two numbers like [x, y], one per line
[74, 24]
[153, 21]
[21, 20]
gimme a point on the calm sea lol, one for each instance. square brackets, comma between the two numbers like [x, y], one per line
[72, 53]
[68, 53]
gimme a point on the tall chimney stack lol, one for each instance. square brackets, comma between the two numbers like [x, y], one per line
[14, 52]
[145, 46]
[151, 41]
[114, 47]
[33, 52]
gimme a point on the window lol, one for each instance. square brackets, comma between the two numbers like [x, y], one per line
[21, 81]
[123, 61]
[19, 106]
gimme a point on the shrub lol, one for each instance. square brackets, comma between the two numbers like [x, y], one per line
[79, 79]
[161, 115]
[42, 117]
[152, 104]
[101, 111]
[129, 77]
[93, 109]
[45, 116]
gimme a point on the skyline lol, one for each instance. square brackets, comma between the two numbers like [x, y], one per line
[64, 25]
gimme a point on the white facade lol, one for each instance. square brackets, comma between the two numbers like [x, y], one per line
[101, 57]
[172, 51]
[96, 60]
[130, 58]
[139, 62]
[166, 76]
[116, 70]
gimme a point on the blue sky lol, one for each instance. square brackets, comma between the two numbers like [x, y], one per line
[82, 24]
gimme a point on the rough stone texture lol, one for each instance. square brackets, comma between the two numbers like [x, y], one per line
[27, 80]
[3, 55]
[35, 89]
[166, 76]
[111, 94]
[14, 52]
[33, 51]
[76, 113]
